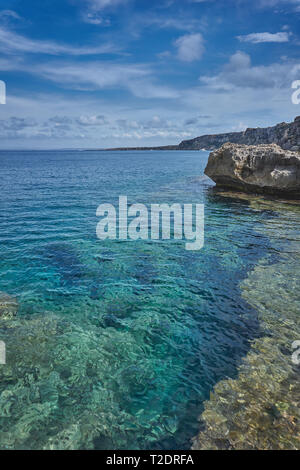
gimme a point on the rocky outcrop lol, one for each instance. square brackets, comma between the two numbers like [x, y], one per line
[8, 306]
[286, 135]
[259, 168]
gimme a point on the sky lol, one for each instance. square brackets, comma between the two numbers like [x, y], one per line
[110, 73]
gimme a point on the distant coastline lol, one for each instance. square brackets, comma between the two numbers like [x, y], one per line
[286, 135]
[164, 147]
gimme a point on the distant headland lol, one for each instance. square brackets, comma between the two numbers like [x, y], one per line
[286, 135]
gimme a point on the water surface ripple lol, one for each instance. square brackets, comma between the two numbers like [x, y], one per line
[117, 345]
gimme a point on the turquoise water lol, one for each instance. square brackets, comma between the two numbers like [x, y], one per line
[117, 344]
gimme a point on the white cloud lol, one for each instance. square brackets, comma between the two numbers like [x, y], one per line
[8, 63]
[16, 123]
[272, 3]
[239, 72]
[183, 22]
[95, 18]
[98, 5]
[14, 42]
[138, 79]
[89, 120]
[9, 14]
[94, 75]
[190, 47]
[95, 120]
[295, 4]
[53, 121]
[92, 18]
[93, 11]
[149, 89]
[257, 38]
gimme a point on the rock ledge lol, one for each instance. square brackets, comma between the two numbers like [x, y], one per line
[256, 168]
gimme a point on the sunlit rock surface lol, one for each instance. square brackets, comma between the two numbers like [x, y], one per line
[261, 169]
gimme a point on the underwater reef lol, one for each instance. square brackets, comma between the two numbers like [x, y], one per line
[125, 345]
[260, 408]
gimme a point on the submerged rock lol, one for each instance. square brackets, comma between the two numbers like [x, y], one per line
[258, 168]
[8, 306]
[259, 409]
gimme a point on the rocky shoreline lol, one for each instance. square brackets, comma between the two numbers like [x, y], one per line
[259, 409]
[263, 169]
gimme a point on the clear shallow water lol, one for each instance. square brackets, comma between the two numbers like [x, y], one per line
[260, 408]
[117, 345]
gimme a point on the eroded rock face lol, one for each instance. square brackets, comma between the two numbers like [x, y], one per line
[256, 168]
[8, 306]
[285, 134]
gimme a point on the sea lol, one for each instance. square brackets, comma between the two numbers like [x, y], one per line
[119, 344]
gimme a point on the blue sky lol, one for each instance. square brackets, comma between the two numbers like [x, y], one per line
[99, 73]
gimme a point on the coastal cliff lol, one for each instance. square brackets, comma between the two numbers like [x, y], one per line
[286, 135]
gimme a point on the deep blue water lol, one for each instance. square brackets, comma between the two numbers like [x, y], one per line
[116, 344]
